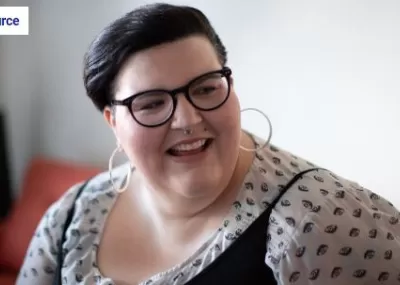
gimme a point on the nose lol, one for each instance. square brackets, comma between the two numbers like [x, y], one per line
[185, 114]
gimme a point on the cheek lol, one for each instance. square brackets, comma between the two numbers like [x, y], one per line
[227, 119]
[139, 142]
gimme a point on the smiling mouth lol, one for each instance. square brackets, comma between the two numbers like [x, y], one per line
[190, 148]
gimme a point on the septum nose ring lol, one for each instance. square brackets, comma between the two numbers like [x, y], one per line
[187, 131]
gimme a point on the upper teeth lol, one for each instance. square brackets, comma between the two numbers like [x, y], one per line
[190, 146]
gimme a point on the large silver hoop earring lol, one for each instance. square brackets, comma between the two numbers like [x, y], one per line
[110, 167]
[270, 130]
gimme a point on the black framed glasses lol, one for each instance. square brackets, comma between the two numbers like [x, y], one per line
[153, 108]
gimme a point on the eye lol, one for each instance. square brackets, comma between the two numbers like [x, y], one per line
[207, 88]
[149, 102]
[151, 105]
[204, 90]
[207, 85]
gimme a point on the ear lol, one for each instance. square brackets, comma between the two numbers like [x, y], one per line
[109, 116]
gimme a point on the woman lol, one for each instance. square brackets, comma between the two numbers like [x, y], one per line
[196, 183]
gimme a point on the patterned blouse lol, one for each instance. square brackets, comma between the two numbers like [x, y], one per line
[325, 230]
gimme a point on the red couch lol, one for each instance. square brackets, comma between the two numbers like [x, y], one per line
[45, 181]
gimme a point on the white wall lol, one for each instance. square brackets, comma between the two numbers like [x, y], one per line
[326, 72]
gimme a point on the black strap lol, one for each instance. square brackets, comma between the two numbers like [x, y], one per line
[244, 261]
[60, 253]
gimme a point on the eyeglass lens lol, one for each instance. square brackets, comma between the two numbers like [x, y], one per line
[205, 93]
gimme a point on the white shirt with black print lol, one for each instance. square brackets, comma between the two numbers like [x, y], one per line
[325, 230]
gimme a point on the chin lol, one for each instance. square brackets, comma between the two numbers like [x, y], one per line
[197, 184]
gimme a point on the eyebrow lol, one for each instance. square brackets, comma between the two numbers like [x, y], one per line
[198, 77]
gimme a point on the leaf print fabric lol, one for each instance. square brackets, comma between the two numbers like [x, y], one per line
[353, 239]
[324, 230]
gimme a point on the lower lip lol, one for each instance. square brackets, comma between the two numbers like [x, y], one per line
[192, 157]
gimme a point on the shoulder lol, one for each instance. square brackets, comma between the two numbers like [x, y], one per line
[317, 190]
[90, 192]
[92, 188]
[272, 170]
[326, 228]
[40, 261]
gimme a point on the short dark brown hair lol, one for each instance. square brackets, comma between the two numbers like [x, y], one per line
[142, 28]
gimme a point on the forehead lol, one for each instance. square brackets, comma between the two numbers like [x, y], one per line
[166, 66]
